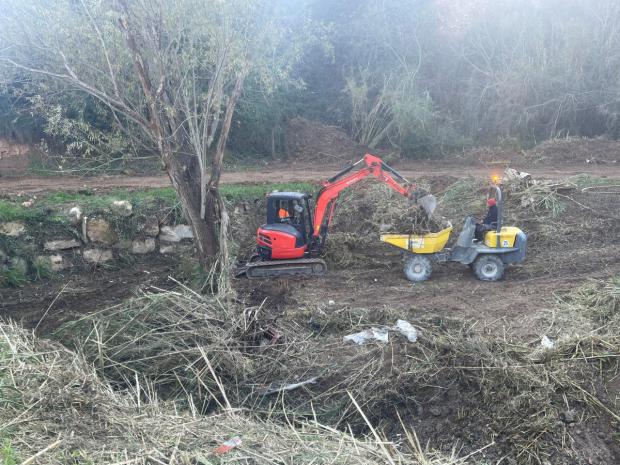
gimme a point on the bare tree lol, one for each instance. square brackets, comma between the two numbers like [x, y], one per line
[170, 72]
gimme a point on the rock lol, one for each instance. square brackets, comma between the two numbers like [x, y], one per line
[150, 227]
[58, 263]
[167, 249]
[12, 228]
[75, 215]
[122, 207]
[98, 255]
[55, 262]
[174, 248]
[142, 247]
[175, 233]
[568, 416]
[99, 230]
[61, 244]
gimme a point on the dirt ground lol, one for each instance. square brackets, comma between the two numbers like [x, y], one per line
[579, 245]
[295, 172]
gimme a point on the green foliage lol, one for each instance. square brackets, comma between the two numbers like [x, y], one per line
[8, 456]
[41, 268]
[13, 277]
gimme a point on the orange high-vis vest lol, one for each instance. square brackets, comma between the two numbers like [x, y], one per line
[282, 213]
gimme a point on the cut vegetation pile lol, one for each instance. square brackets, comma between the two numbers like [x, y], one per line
[55, 410]
[505, 397]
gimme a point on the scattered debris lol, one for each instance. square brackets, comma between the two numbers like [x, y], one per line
[407, 330]
[292, 386]
[227, 446]
[381, 334]
[547, 343]
[377, 334]
[568, 416]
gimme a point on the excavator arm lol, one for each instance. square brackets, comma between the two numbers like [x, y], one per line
[373, 166]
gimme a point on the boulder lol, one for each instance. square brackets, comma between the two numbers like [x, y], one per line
[150, 227]
[58, 262]
[61, 244]
[12, 228]
[174, 248]
[55, 262]
[143, 247]
[75, 215]
[175, 233]
[99, 230]
[98, 255]
[122, 207]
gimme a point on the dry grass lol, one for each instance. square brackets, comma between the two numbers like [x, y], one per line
[56, 410]
[474, 387]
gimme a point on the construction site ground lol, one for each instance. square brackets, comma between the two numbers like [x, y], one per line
[564, 252]
[452, 292]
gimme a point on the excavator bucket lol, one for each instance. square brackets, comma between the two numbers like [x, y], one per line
[428, 202]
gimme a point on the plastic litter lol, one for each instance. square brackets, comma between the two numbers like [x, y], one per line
[381, 334]
[407, 330]
[227, 446]
[547, 343]
[377, 334]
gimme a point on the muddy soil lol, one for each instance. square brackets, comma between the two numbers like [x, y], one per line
[580, 244]
[48, 304]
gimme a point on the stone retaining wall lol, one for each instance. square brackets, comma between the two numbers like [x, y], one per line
[80, 240]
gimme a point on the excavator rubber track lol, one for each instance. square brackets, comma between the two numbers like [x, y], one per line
[277, 268]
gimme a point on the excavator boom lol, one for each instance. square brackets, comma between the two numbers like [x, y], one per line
[372, 166]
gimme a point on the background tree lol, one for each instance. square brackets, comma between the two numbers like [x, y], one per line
[169, 74]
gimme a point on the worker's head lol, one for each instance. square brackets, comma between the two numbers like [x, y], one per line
[491, 202]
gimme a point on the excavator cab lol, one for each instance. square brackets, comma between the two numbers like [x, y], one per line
[288, 227]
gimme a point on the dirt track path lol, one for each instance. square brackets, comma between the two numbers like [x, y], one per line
[275, 174]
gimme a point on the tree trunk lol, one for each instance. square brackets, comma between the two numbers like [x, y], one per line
[206, 238]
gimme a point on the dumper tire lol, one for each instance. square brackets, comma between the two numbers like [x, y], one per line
[489, 268]
[418, 268]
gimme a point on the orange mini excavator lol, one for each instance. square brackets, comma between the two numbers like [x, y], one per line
[292, 239]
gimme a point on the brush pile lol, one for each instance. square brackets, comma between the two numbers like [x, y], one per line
[177, 340]
[372, 208]
[56, 410]
[505, 396]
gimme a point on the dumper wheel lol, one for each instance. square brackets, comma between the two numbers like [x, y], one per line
[489, 268]
[418, 268]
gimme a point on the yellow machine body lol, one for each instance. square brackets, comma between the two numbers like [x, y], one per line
[425, 243]
[506, 237]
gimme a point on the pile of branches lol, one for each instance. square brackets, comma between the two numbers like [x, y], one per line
[181, 341]
[371, 208]
[56, 410]
[504, 394]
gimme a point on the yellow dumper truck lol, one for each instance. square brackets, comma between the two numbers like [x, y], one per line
[488, 258]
